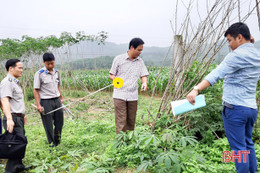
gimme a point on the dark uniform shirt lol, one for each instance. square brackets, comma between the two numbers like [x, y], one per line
[10, 87]
[47, 83]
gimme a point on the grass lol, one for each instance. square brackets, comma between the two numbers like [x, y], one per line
[89, 135]
[87, 140]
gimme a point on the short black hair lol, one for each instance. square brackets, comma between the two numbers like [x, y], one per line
[48, 57]
[135, 42]
[238, 28]
[11, 63]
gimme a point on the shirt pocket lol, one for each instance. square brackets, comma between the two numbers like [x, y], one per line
[123, 69]
[48, 83]
[17, 93]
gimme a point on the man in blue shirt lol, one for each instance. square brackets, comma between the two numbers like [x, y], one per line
[240, 70]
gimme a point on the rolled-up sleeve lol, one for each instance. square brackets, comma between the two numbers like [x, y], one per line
[230, 64]
[113, 69]
[144, 71]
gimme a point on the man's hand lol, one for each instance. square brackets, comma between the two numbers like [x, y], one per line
[39, 108]
[62, 103]
[201, 86]
[144, 87]
[144, 83]
[7, 111]
[112, 77]
[191, 96]
[25, 119]
[10, 125]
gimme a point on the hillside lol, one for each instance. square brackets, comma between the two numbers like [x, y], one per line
[90, 55]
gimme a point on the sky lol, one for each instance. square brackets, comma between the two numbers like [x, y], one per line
[122, 19]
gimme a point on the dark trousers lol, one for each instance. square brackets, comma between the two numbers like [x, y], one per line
[14, 165]
[55, 118]
[125, 115]
[238, 123]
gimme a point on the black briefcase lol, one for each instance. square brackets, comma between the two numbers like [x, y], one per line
[12, 146]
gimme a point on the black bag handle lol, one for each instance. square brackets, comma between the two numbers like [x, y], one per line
[6, 132]
[14, 135]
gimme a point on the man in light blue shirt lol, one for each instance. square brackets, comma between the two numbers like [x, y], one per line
[240, 70]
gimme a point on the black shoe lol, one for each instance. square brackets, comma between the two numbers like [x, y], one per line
[24, 168]
[28, 167]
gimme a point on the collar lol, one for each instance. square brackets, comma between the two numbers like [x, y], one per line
[127, 57]
[47, 71]
[12, 78]
[247, 45]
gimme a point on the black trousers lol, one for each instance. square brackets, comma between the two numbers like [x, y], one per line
[14, 165]
[0, 125]
[55, 118]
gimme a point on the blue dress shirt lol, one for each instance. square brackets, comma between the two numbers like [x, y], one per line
[240, 70]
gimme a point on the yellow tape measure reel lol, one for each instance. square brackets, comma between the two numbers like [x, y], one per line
[118, 82]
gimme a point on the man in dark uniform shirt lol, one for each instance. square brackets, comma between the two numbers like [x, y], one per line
[13, 106]
[47, 94]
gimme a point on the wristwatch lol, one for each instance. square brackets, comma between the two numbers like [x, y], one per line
[196, 88]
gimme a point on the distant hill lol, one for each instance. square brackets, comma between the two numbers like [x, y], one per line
[90, 50]
[103, 62]
[93, 56]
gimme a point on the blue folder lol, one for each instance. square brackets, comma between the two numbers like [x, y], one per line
[182, 106]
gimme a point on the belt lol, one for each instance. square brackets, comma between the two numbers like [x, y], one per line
[228, 105]
[19, 114]
[51, 98]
